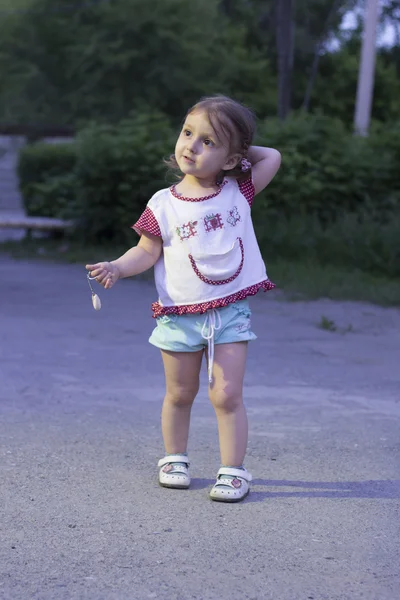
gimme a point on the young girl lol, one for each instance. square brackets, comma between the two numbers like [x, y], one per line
[199, 236]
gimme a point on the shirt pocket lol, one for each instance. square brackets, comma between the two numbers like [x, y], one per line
[222, 268]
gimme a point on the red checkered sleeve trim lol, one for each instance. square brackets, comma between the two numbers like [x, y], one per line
[147, 222]
[247, 189]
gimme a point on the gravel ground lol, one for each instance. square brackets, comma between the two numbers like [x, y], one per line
[81, 513]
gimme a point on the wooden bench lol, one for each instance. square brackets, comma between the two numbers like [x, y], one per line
[34, 223]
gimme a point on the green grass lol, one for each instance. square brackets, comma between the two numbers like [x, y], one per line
[308, 280]
[298, 281]
[60, 250]
[327, 324]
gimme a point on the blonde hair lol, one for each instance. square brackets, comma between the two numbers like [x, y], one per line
[234, 121]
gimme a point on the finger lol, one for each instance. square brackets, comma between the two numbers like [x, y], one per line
[102, 277]
[99, 272]
[92, 267]
[109, 283]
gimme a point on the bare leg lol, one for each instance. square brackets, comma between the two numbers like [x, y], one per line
[182, 371]
[226, 395]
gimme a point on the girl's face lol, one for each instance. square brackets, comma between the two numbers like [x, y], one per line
[199, 151]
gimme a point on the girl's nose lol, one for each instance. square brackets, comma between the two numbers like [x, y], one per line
[192, 146]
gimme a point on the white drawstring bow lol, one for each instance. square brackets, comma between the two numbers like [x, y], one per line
[208, 333]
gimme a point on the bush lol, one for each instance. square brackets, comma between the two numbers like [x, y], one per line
[47, 179]
[352, 241]
[336, 199]
[327, 171]
[119, 168]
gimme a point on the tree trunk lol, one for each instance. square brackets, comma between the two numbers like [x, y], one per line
[285, 48]
[317, 53]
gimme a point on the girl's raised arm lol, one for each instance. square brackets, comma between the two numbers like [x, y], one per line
[265, 164]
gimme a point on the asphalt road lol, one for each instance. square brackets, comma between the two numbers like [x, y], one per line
[81, 513]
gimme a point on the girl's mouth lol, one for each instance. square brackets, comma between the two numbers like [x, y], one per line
[189, 160]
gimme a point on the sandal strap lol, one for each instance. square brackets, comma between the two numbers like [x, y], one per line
[227, 483]
[240, 473]
[174, 458]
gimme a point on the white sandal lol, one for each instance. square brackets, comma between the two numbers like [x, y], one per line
[172, 475]
[231, 490]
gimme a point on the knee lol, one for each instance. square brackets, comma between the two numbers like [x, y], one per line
[225, 399]
[182, 395]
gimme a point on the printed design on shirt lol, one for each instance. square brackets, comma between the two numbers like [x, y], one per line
[187, 230]
[213, 222]
[233, 216]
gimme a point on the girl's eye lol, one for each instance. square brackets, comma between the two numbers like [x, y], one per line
[186, 132]
[208, 142]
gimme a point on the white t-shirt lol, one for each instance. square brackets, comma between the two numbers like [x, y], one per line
[210, 251]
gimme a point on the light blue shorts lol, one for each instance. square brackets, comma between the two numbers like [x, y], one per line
[185, 333]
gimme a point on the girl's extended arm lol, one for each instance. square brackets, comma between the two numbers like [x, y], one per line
[136, 260]
[140, 258]
[265, 164]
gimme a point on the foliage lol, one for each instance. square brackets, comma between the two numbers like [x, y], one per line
[69, 63]
[118, 169]
[336, 199]
[327, 171]
[99, 62]
[47, 180]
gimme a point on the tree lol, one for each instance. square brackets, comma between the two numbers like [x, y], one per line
[67, 63]
[293, 35]
[285, 48]
[103, 61]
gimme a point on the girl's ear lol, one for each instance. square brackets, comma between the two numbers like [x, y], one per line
[232, 162]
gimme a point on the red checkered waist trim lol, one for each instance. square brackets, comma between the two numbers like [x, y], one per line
[159, 310]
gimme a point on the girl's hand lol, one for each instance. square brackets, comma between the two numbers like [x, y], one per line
[106, 273]
[266, 162]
